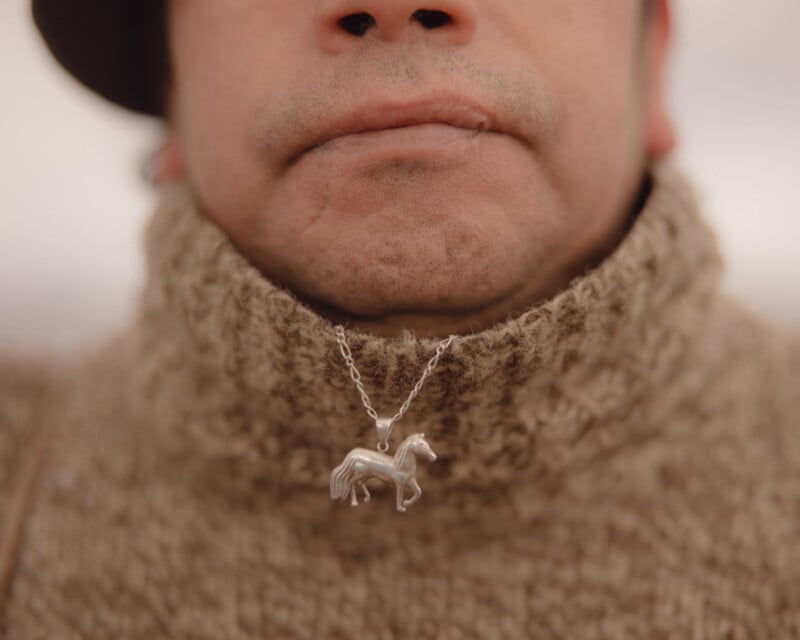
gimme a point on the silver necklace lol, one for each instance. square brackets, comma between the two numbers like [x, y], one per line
[361, 464]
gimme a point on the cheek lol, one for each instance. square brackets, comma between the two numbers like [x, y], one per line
[225, 69]
[600, 132]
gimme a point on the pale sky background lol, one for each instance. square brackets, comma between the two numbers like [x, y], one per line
[73, 207]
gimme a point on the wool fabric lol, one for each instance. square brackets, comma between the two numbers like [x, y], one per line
[620, 461]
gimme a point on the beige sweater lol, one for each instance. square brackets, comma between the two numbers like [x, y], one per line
[621, 461]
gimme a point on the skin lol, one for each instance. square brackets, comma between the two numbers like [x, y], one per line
[438, 229]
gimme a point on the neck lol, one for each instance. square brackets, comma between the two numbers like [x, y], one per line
[404, 458]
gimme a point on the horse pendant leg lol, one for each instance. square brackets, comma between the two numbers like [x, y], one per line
[400, 487]
[353, 499]
[417, 493]
[353, 496]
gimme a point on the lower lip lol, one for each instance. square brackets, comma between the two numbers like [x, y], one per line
[417, 141]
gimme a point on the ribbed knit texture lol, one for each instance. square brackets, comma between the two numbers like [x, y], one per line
[621, 461]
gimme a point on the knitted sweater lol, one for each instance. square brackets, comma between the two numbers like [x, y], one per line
[620, 461]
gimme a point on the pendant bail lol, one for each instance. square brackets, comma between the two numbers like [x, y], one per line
[384, 427]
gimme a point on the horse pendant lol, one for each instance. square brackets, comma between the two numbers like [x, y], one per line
[361, 464]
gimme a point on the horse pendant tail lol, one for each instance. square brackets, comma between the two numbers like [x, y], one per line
[341, 478]
[361, 464]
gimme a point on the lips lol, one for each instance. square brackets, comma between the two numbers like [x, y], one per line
[376, 116]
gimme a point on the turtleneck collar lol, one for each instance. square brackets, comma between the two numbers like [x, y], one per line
[235, 369]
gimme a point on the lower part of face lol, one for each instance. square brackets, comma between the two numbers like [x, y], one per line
[415, 168]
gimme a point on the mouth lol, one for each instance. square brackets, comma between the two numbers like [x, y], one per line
[382, 125]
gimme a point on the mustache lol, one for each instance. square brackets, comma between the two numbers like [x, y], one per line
[521, 97]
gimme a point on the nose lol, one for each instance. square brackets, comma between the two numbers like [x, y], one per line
[343, 25]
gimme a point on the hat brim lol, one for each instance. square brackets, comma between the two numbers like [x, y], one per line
[117, 48]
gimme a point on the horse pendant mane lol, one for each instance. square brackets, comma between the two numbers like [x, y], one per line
[361, 464]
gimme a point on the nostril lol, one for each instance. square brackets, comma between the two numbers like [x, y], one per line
[357, 24]
[431, 19]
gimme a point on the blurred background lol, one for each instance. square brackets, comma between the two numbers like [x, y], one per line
[74, 205]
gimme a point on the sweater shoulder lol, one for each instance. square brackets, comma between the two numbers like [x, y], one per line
[761, 376]
[27, 390]
[776, 346]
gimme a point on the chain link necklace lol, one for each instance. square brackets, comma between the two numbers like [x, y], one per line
[361, 464]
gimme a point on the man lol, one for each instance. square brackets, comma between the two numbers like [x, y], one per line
[610, 445]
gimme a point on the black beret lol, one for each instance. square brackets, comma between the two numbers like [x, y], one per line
[117, 48]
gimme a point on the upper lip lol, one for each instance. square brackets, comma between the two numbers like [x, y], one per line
[376, 115]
